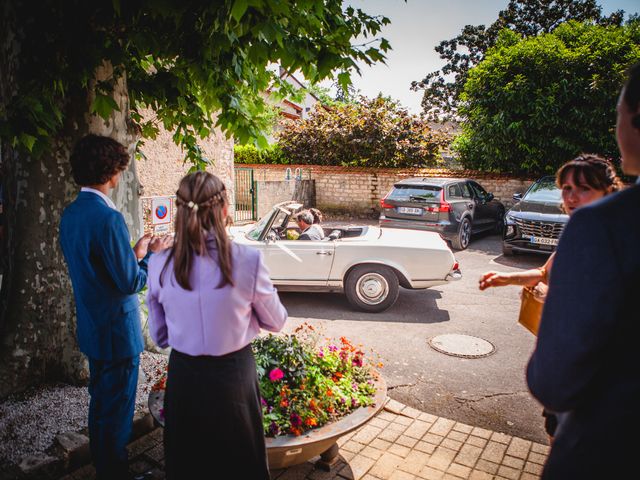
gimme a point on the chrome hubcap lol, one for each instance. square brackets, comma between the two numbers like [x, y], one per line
[372, 288]
[465, 234]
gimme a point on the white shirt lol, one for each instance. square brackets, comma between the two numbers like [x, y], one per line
[108, 201]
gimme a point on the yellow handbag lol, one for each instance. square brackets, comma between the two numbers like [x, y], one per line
[530, 311]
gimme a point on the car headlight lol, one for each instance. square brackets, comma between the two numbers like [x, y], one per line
[509, 219]
[510, 230]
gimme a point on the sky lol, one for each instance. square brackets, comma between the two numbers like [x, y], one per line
[417, 26]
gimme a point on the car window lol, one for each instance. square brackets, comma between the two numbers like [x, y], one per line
[455, 191]
[254, 233]
[544, 191]
[479, 191]
[414, 192]
[466, 193]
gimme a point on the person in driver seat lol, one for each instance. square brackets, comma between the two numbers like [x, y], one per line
[308, 230]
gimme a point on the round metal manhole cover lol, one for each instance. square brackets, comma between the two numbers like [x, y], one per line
[464, 346]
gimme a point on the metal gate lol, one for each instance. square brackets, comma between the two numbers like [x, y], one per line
[245, 195]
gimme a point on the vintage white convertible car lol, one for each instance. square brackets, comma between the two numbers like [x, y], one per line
[367, 263]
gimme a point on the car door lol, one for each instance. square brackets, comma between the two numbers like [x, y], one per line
[483, 215]
[459, 197]
[299, 262]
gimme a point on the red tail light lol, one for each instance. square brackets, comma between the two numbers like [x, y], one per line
[443, 207]
[456, 266]
[384, 204]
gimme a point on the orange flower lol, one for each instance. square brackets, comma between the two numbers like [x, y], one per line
[311, 422]
[284, 403]
[296, 431]
[329, 392]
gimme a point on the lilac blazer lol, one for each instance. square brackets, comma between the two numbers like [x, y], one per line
[209, 320]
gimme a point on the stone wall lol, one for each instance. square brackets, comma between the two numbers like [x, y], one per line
[271, 192]
[162, 167]
[357, 191]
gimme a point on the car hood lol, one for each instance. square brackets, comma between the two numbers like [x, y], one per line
[551, 212]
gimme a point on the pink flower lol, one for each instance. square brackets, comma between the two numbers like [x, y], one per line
[276, 374]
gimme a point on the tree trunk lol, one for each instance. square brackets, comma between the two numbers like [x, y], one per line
[37, 322]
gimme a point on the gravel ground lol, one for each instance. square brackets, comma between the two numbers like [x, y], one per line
[29, 422]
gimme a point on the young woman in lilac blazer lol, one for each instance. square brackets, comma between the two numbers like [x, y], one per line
[208, 298]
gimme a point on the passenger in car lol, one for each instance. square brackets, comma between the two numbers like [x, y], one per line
[582, 180]
[308, 229]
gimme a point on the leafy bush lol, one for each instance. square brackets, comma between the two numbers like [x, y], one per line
[250, 154]
[369, 133]
[305, 386]
[532, 104]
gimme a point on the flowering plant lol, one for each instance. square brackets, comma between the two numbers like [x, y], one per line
[305, 385]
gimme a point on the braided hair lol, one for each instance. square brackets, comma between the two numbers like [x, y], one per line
[201, 202]
[592, 170]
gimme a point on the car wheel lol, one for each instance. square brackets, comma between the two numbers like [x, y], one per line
[461, 241]
[372, 288]
[507, 251]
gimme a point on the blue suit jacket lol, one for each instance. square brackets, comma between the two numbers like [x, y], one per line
[586, 363]
[105, 276]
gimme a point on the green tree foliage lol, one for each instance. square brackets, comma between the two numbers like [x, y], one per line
[528, 18]
[534, 103]
[250, 154]
[195, 64]
[372, 133]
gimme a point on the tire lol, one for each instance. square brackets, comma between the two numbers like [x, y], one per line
[461, 240]
[506, 250]
[499, 223]
[372, 288]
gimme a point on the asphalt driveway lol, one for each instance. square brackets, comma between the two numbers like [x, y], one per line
[488, 392]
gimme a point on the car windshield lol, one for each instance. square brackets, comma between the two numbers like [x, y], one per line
[544, 191]
[414, 192]
[256, 231]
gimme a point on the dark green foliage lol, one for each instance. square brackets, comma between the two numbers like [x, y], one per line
[534, 103]
[369, 133]
[525, 17]
[195, 64]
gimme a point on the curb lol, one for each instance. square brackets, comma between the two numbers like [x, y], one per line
[69, 452]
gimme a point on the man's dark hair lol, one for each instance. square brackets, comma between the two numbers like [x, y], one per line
[632, 90]
[96, 159]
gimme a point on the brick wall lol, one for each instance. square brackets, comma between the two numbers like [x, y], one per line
[358, 191]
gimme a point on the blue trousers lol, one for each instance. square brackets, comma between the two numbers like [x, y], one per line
[112, 387]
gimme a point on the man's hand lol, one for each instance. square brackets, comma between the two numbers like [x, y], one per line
[160, 243]
[142, 246]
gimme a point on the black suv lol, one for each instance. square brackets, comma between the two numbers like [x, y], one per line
[453, 207]
[535, 223]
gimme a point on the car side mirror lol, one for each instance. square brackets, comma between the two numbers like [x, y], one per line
[517, 197]
[489, 197]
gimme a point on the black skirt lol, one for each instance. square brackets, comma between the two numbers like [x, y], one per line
[213, 417]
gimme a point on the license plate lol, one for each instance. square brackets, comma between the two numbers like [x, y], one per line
[410, 211]
[544, 241]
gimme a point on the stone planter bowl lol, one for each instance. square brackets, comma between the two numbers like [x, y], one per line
[288, 450]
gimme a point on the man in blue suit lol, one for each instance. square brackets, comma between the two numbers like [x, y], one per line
[106, 274]
[585, 366]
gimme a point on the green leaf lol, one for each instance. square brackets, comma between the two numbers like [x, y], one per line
[28, 141]
[239, 8]
[103, 105]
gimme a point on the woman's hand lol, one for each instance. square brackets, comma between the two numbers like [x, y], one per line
[494, 279]
[540, 292]
[160, 243]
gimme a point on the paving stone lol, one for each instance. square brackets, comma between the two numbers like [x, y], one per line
[380, 444]
[479, 475]
[411, 412]
[534, 468]
[371, 452]
[397, 426]
[367, 434]
[458, 470]
[508, 472]
[378, 422]
[429, 473]
[400, 475]
[441, 458]
[297, 472]
[425, 447]
[433, 438]
[352, 446]
[140, 465]
[390, 417]
[347, 456]
[501, 438]
[519, 448]
[369, 477]
[317, 474]
[389, 435]
[399, 450]
[458, 436]
[529, 476]
[406, 441]
[462, 427]
[539, 448]
[481, 432]
[468, 455]
[417, 429]
[386, 465]
[141, 445]
[513, 462]
[394, 406]
[358, 466]
[427, 417]
[494, 452]
[442, 426]
[537, 458]
[414, 462]
[477, 441]
[452, 444]
[486, 466]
